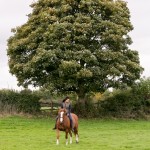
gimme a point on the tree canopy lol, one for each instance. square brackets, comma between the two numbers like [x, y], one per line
[75, 45]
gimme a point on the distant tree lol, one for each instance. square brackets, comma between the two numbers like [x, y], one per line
[142, 89]
[75, 45]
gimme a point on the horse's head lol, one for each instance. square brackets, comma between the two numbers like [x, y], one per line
[61, 113]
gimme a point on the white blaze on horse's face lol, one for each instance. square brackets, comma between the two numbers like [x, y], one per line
[61, 116]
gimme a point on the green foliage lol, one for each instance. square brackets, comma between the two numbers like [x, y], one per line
[8, 101]
[74, 45]
[142, 89]
[29, 102]
[85, 110]
[121, 104]
[132, 102]
[16, 102]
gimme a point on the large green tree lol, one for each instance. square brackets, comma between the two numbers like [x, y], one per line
[75, 45]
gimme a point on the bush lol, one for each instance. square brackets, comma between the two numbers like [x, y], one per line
[87, 110]
[8, 101]
[14, 101]
[133, 102]
[141, 91]
[120, 104]
[28, 102]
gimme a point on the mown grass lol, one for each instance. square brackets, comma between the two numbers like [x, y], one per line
[22, 133]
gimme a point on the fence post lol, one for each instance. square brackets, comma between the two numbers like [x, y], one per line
[51, 107]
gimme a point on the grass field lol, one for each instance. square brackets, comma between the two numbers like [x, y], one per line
[22, 133]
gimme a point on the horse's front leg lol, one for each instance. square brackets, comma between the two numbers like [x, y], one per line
[66, 137]
[58, 135]
[70, 133]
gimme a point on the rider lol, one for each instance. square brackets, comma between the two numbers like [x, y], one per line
[67, 105]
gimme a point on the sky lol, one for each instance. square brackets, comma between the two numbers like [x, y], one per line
[14, 13]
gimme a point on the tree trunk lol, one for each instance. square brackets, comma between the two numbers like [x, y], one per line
[82, 98]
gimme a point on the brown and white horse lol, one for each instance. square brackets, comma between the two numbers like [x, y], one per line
[63, 124]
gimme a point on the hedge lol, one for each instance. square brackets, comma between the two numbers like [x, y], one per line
[24, 101]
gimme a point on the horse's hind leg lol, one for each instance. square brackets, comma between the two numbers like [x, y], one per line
[76, 135]
[67, 137]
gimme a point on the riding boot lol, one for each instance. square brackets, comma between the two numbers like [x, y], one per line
[72, 127]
